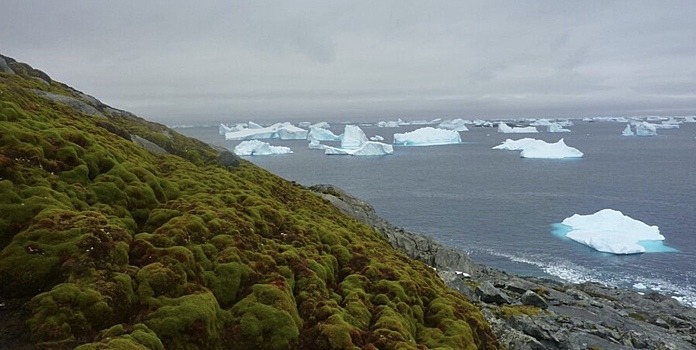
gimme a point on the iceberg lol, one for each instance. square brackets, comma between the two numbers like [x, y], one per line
[690, 119]
[627, 131]
[458, 124]
[483, 123]
[321, 134]
[283, 131]
[353, 137]
[377, 138]
[556, 127]
[542, 122]
[369, 148]
[556, 150]
[355, 143]
[611, 231]
[506, 129]
[517, 145]
[427, 136]
[646, 129]
[323, 125]
[252, 125]
[390, 124]
[259, 148]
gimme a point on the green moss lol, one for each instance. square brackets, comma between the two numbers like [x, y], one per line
[122, 248]
[509, 311]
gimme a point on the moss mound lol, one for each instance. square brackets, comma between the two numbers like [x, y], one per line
[118, 247]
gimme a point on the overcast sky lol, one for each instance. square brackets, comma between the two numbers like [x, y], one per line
[189, 61]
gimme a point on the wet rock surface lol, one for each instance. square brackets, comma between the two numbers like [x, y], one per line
[535, 313]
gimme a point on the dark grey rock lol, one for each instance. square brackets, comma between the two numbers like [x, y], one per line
[78, 105]
[4, 67]
[228, 159]
[533, 299]
[490, 294]
[149, 145]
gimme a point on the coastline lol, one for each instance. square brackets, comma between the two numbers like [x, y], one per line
[537, 313]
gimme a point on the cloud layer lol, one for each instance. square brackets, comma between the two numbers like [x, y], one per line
[180, 61]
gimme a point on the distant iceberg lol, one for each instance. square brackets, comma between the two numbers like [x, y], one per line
[369, 148]
[627, 131]
[259, 148]
[321, 134]
[355, 143]
[454, 124]
[283, 131]
[518, 145]
[556, 127]
[323, 125]
[556, 150]
[506, 129]
[377, 138]
[390, 124]
[427, 136]
[646, 129]
[611, 231]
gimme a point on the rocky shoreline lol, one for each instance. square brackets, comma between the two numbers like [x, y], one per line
[535, 313]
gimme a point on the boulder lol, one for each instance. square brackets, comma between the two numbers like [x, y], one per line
[490, 294]
[533, 299]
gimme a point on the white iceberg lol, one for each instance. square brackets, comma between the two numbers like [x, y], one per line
[427, 136]
[556, 150]
[283, 131]
[542, 122]
[369, 148]
[259, 148]
[377, 138]
[323, 125]
[690, 119]
[483, 123]
[645, 129]
[556, 127]
[321, 134]
[390, 124]
[627, 131]
[252, 125]
[458, 124]
[355, 143]
[611, 231]
[353, 137]
[506, 129]
[517, 145]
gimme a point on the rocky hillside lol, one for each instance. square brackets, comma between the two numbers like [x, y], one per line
[532, 313]
[121, 233]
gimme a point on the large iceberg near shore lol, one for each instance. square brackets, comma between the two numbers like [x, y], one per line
[545, 150]
[427, 136]
[611, 231]
[321, 134]
[259, 148]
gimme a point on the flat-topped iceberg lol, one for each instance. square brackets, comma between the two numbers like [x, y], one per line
[545, 150]
[611, 231]
[506, 129]
[427, 136]
[259, 148]
[283, 131]
[518, 145]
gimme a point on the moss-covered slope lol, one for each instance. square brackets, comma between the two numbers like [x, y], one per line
[118, 242]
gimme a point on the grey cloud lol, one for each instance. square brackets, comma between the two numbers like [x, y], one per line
[274, 60]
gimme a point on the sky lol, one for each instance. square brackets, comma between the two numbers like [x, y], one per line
[208, 61]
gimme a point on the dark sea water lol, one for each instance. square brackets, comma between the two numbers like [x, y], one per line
[500, 208]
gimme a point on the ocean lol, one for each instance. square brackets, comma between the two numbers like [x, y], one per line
[501, 208]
